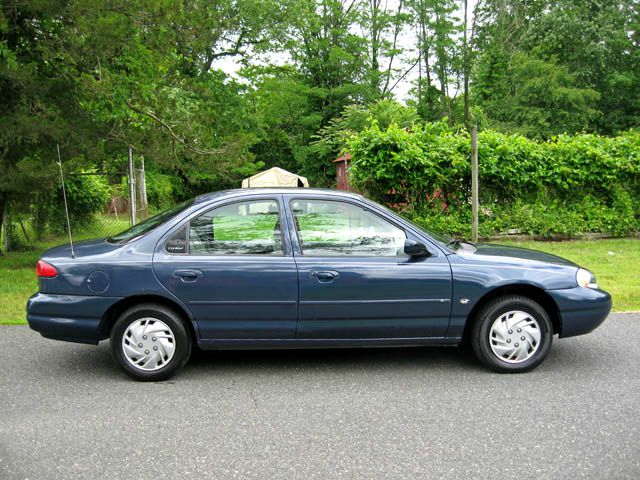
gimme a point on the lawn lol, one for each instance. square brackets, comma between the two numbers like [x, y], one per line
[17, 282]
[616, 264]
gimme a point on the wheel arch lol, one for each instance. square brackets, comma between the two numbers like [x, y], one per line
[111, 315]
[534, 293]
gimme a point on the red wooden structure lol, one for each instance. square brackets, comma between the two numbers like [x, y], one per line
[342, 172]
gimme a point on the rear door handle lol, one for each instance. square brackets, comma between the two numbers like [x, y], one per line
[187, 275]
[324, 276]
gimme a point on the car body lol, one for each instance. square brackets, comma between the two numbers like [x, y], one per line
[298, 268]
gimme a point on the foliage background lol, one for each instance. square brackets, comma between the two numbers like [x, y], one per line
[96, 77]
[563, 186]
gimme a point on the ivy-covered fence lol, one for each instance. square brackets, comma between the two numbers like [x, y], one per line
[562, 187]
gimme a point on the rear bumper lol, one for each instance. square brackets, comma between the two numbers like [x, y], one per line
[72, 318]
[581, 309]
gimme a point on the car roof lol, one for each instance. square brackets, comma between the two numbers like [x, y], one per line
[238, 192]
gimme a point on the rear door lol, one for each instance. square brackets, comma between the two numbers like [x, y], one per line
[355, 282]
[235, 270]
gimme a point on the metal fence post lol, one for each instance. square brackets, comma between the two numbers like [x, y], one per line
[132, 187]
[474, 183]
[141, 191]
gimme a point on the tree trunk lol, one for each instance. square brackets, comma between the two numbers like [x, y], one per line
[465, 68]
[441, 68]
[3, 205]
[427, 67]
[375, 46]
[420, 104]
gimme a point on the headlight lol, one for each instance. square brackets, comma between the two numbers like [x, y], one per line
[586, 279]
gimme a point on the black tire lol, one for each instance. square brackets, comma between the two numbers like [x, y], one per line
[171, 319]
[481, 333]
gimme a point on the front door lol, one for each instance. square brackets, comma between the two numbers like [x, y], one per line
[356, 282]
[234, 270]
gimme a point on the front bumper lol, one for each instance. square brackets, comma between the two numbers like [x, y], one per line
[72, 318]
[581, 309]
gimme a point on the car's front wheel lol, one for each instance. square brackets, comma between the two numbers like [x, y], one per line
[150, 342]
[512, 334]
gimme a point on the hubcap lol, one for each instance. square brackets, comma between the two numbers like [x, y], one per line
[148, 344]
[514, 336]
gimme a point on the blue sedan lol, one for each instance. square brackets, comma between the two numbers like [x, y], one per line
[305, 268]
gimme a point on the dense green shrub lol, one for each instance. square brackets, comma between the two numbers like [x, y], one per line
[568, 185]
[539, 218]
[162, 189]
[87, 194]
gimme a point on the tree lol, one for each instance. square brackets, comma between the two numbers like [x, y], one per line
[286, 108]
[595, 42]
[598, 42]
[382, 26]
[337, 48]
[438, 30]
[208, 31]
[333, 139]
[37, 105]
[97, 77]
[545, 100]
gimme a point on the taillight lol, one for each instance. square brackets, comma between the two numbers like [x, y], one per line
[44, 269]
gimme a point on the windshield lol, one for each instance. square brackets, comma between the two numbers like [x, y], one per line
[149, 224]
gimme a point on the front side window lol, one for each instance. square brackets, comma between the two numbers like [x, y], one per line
[331, 228]
[243, 228]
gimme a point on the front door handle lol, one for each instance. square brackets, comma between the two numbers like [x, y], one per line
[187, 275]
[324, 276]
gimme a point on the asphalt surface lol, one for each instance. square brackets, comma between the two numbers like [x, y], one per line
[66, 411]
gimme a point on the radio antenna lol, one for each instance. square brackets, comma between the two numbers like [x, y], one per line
[66, 207]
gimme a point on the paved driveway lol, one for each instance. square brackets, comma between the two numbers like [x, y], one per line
[66, 411]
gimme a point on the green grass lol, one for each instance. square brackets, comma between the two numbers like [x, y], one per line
[616, 264]
[17, 282]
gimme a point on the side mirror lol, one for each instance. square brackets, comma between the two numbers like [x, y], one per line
[415, 249]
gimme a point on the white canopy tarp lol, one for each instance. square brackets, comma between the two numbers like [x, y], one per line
[275, 177]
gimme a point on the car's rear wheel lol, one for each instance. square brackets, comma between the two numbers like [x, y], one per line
[512, 334]
[150, 342]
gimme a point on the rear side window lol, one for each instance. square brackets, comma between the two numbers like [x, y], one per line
[242, 228]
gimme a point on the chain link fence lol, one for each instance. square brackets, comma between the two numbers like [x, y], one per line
[100, 205]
